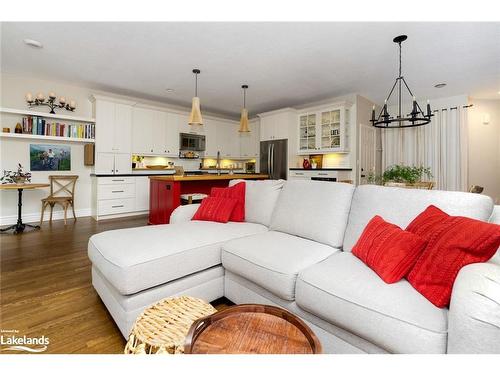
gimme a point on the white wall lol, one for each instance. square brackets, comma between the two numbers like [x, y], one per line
[12, 151]
[484, 147]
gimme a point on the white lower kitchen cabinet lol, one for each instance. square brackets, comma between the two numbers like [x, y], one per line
[142, 193]
[119, 196]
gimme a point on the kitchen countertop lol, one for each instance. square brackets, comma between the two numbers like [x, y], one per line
[320, 169]
[205, 177]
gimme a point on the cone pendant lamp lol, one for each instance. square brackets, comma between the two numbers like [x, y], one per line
[244, 113]
[195, 115]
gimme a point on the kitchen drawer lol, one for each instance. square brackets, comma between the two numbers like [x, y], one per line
[115, 191]
[115, 206]
[313, 173]
[115, 180]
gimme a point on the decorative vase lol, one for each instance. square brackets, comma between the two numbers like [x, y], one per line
[20, 179]
[306, 164]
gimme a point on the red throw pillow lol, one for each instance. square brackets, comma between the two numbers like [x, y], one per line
[388, 250]
[215, 209]
[236, 192]
[426, 223]
[454, 242]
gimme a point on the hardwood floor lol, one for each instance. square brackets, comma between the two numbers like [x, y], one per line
[45, 287]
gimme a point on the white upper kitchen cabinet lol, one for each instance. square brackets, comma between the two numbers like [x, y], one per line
[210, 137]
[113, 125]
[324, 130]
[158, 139]
[250, 142]
[277, 124]
[142, 130]
[227, 137]
[172, 134]
[155, 132]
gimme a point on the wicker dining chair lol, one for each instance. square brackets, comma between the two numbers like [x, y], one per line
[62, 191]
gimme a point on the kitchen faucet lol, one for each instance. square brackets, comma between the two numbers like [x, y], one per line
[218, 163]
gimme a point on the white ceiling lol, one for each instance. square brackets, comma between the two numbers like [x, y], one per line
[285, 64]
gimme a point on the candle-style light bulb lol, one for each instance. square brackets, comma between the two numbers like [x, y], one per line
[373, 114]
[428, 108]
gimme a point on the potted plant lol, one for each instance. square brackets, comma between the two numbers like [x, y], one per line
[401, 175]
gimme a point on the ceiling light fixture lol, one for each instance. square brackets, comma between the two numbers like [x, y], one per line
[244, 113]
[440, 85]
[195, 115]
[415, 118]
[169, 90]
[33, 43]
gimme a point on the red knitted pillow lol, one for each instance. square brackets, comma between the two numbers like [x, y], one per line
[236, 192]
[454, 242]
[215, 209]
[388, 250]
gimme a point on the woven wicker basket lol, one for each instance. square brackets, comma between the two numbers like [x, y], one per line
[162, 327]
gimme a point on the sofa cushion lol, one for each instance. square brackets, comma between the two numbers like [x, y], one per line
[260, 199]
[314, 210]
[217, 209]
[136, 259]
[273, 259]
[345, 292]
[236, 192]
[400, 206]
[454, 242]
[388, 250]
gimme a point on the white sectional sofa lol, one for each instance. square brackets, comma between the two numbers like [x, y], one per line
[294, 251]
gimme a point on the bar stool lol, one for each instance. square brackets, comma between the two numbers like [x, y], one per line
[192, 198]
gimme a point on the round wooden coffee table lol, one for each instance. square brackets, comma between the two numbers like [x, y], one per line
[251, 329]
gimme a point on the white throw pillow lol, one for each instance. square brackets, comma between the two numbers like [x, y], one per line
[260, 199]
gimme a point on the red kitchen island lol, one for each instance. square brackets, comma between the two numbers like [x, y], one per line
[165, 191]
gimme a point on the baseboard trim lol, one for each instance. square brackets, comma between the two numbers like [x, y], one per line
[35, 216]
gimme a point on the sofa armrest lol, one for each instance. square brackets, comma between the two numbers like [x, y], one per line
[495, 218]
[183, 213]
[474, 316]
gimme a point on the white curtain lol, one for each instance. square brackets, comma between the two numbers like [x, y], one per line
[440, 145]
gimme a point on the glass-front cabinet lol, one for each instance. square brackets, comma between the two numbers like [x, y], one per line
[324, 130]
[307, 132]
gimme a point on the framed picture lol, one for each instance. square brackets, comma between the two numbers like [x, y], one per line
[50, 157]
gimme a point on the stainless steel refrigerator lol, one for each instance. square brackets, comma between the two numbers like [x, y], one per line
[274, 158]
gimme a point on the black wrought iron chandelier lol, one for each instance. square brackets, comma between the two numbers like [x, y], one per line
[415, 118]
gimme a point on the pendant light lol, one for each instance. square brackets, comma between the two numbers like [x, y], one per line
[195, 115]
[244, 113]
[416, 117]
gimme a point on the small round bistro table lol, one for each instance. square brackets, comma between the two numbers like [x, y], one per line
[19, 226]
[251, 329]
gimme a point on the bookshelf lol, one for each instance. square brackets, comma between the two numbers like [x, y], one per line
[46, 138]
[71, 120]
[55, 116]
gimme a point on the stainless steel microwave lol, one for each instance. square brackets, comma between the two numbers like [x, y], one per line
[191, 142]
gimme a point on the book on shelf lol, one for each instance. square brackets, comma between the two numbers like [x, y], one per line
[37, 125]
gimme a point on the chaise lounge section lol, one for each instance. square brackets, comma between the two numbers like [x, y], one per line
[294, 251]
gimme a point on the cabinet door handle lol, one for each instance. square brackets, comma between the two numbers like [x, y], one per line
[299, 174]
[118, 180]
[322, 174]
[117, 191]
[118, 206]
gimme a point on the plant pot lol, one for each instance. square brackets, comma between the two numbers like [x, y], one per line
[19, 179]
